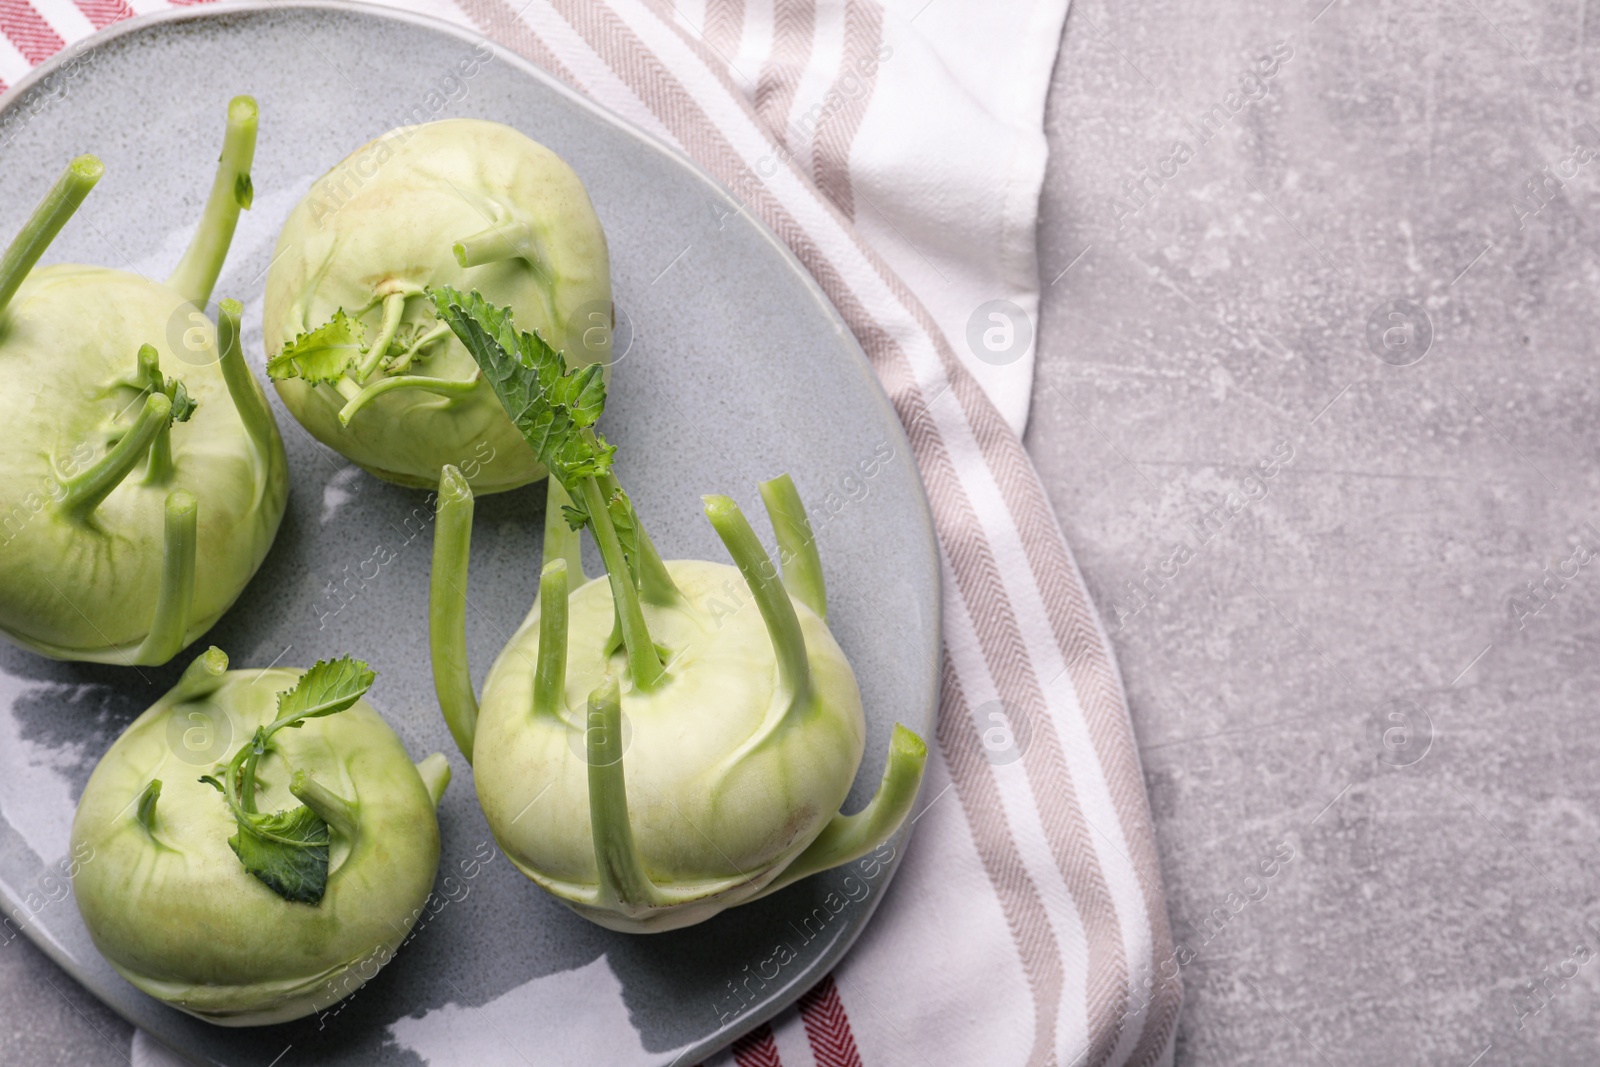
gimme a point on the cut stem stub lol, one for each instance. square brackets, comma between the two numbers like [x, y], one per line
[644, 665]
[58, 205]
[797, 545]
[427, 383]
[777, 610]
[86, 490]
[508, 240]
[343, 815]
[447, 609]
[243, 389]
[196, 273]
[170, 624]
[848, 837]
[623, 882]
[204, 676]
[394, 308]
[550, 675]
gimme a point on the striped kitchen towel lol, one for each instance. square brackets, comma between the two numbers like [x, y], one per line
[897, 148]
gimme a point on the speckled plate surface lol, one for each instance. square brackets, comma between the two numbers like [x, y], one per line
[735, 368]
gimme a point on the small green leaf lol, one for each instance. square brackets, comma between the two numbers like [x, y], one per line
[149, 378]
[244, 191]
[183, 404]
[626, 524]
[321, 356]
[328, 687]
[576, 517]
[287, 851]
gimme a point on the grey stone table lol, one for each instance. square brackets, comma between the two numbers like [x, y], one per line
[1323, 243]
[1316, 404]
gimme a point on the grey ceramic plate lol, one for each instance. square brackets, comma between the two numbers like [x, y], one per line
[737, 369]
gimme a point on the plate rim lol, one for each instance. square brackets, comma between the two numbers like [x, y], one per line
[926, 534]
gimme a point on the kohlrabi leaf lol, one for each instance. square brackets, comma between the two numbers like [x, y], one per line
[586, 394]
[551, 406]
[555, 411]
[626, 523]
[149, 378]
[244, 191]
[323, 355]
[183, 404]
[329, 687]
[287, 851]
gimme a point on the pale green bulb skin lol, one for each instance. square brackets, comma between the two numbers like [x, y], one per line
[179, 917]
[87, 591]
[722, 792]
[391, 212]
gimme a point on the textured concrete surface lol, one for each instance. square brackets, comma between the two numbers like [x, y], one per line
[1337, 671]
[1342, 663]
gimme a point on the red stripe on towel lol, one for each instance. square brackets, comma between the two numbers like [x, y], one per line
[827, 1026]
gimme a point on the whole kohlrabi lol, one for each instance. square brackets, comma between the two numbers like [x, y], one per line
[279, 881]
[142, 484]
[355, 348]
[744, 726]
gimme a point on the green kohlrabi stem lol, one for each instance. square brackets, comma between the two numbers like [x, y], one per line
[655, 581]
[797, 546]
[197, 271]
[158, 469]
[442, 386]
[239, 781]
[550, 676]
[146, 812]
[561, 541]
[510, 240]
[342, 815]
[622, 877]
[394, 308]
[434, 771]
[245, 762]
[46, 221]
[86, 490]
[204, 676]
[148, 374]
[643, 663]
[243, 389]
[403, 360]
[447, 609]
[847, 837]
[777, 610]
[170, 624]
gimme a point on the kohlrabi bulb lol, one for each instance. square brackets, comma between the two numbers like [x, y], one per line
[354, 346]
[672, 740]
[258, 843]
[656, 806]
[145, 478]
